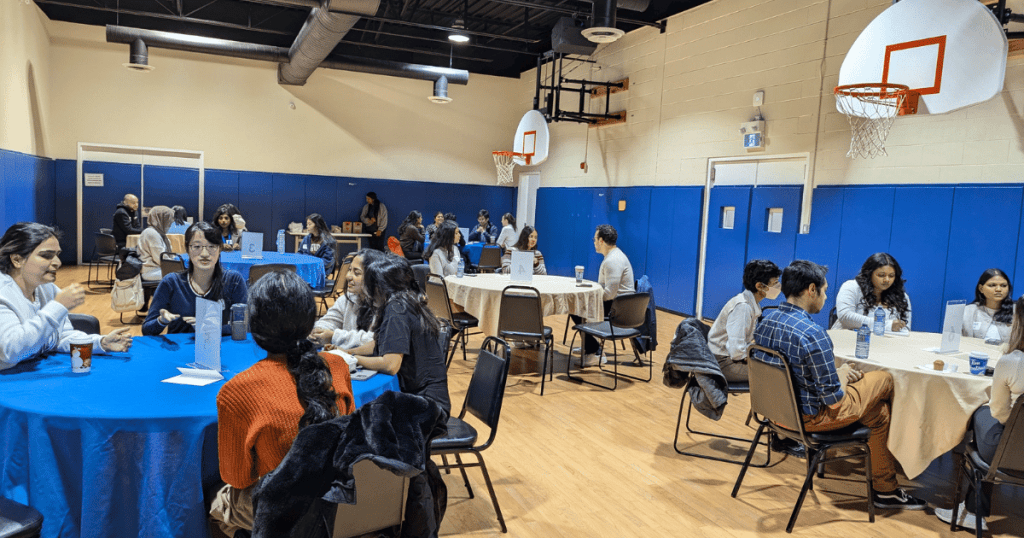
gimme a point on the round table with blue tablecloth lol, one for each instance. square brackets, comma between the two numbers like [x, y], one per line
[115, 452]
[310, 268]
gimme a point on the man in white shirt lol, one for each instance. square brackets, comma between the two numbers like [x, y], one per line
[615, 276]
[733, 330]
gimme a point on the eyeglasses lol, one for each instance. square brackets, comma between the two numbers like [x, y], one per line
[208, 248]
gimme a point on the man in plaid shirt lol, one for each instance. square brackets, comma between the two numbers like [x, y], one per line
[830, 398]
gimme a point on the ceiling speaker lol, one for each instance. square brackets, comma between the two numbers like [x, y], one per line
[567, 38]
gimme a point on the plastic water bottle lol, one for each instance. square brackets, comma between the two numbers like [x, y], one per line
[462, 269]
[879, 328]
[280, 241]
[863, 342]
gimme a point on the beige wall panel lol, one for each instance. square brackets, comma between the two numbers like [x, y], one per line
[25, 124]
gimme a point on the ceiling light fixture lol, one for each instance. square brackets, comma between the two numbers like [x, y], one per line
[458, 33]
[602, 23]
[138, 57]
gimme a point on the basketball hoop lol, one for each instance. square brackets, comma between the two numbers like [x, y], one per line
[505, 162]
[871, 109]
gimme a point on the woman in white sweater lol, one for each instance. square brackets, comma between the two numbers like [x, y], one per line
[33, 310]
[340, 325]
[991, 313]
[153, 241]
[880, 283]
[990, 420]
[507, 237]
[444, 252]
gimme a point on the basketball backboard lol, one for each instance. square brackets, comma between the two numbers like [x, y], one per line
[953, 52]
[531, 139]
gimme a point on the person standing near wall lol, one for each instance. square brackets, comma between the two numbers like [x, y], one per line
[126, 221]
[375, 221]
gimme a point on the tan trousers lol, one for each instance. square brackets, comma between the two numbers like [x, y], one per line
[867, 401]
[232, 509]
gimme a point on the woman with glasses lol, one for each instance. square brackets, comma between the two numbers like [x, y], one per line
[174, 303]
[733, 330]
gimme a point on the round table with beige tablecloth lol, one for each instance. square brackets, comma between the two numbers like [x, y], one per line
[930, 409]
[177, 242]
[480, 295]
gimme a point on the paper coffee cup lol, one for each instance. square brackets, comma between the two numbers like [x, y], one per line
[979, 361]
[81, 354]
[579, 274]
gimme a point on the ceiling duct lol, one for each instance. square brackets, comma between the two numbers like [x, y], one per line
[567, 38]
[440, 95]
[632, 5]
[602, 23]
[138, 57]
[322, 32]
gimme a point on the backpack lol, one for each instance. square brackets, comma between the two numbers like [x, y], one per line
[395, 246]
[127, 295]
[129, 264]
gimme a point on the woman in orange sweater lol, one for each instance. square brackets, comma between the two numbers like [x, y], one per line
[260, 410]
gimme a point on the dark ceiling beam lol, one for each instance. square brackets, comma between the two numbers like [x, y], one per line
[301, 4]
[445, 41]
[567, 11]
[166, 17]
[469, 19]
[416, 51]
[436, 27]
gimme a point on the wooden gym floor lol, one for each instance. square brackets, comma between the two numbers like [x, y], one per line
[582, 461]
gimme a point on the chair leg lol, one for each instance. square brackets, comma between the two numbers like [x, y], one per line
[867, 482]
[977, 507]
[803, 491]
[490, 489]
[548, 354]
[746, 462]
[689, 410]
[444, 460]
[636, 356]
[960, 464]
[568, 366]
[465, 477]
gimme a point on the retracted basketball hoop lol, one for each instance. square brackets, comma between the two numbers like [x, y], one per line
[505, 162]
[871, 109]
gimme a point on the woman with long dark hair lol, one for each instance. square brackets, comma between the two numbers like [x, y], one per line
[375, 221]
[319, 242]
[180, 223]
[527, 243]
[33, 310]
[407, 335]
[261, 410]
[224, 221]
[410, 234]
[432, 227]
[341, 325]
[879, 284]
[507, 237]
[174, 303]
[991, 313]
[443, 254]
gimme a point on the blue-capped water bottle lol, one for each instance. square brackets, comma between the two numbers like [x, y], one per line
[280, 241]
[879, 327]
[462, 269]
[863, 341]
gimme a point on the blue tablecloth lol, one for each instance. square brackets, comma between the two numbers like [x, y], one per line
[114, 452]
[310, 268]
[471, 252]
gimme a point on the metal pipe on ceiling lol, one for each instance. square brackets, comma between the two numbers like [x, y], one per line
[322, 32]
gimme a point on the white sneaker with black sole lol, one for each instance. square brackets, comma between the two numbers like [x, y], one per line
[898, 499]
[964, 518]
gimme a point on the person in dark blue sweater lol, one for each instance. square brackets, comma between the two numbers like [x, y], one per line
[319, 242]
[174, 304]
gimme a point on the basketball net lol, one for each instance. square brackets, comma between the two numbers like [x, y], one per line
[871, 109]
[504, 161]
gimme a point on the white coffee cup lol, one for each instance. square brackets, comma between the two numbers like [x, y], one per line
[579, 274]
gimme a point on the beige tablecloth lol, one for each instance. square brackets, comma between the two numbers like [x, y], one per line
[930, 409]
[177, 242]
[480, 295]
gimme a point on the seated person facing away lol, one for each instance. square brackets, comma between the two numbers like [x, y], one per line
[319, 242]
[340, 325]
[485, 232]
[830, 398]
[180, 224]
[230, 234]
[408, 342]
[733, 330]
[153, 242]
[880, 283]
[126, 219]
[410, 235]
[261, 410]
[174, 302]
[990, 314]
[989, 420]
[527, 242]
[508, 235]
[615, 277]
[33, 310]
[443, 253]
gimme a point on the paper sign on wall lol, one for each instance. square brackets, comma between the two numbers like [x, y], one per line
[951, 326]
[93, 180]
[252, 245]
[522, 266]
[209, 318]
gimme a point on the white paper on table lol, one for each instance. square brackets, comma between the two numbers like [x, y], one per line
[195, 377]
[349, 359]
[947, 369]
[522, 266]
[952, 324]
[252, 245]
[902, 332]
[209, 318]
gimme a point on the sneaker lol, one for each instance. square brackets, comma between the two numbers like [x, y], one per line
[591, 359]
[965, 519]
[789, 446]
[898, 499]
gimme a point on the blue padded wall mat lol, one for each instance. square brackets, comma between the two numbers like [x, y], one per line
[920, 238]
[118, 180]
[171, 186]
[677, 258]
[985, 231]
[630, 223]
[866, 228]
[221, 188]
[66, 208]
[777, 247]
[27, 189]
[821, 245]
[256, 203]
[557, 209]
[726, 248]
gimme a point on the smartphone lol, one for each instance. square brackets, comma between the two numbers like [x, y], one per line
[363, 374]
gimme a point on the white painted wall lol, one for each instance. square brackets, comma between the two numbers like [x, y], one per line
[24, 79]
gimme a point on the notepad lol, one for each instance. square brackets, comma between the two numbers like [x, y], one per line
[194, 377]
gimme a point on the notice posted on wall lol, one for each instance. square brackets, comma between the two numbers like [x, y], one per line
[93, 180]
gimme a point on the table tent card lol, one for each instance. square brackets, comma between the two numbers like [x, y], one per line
[252, 245]
[522, 266]
[209, 318]
[195, 377]
[951, 326]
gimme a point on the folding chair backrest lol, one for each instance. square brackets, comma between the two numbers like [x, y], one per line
[490, 256]
[106, 245]
[487, 386]
[85, 323]
[437, 298]
[772, 394]
[1010, 452]
[521, 312]
[628, 310]
[257, 271]
[171, 263]
[380, 501]
[421, 270]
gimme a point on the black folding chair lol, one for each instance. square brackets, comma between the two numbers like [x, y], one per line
[625, 316]
[331, 289]
[85, 323]
[773, 403]
[522, 319]
[104, 254]
[439, 303]
[18, 520]
[490, 259]
[484, 397]
[171, 263]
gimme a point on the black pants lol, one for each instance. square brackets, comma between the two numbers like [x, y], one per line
[987, 433]
[378, 242]
[590, 345]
